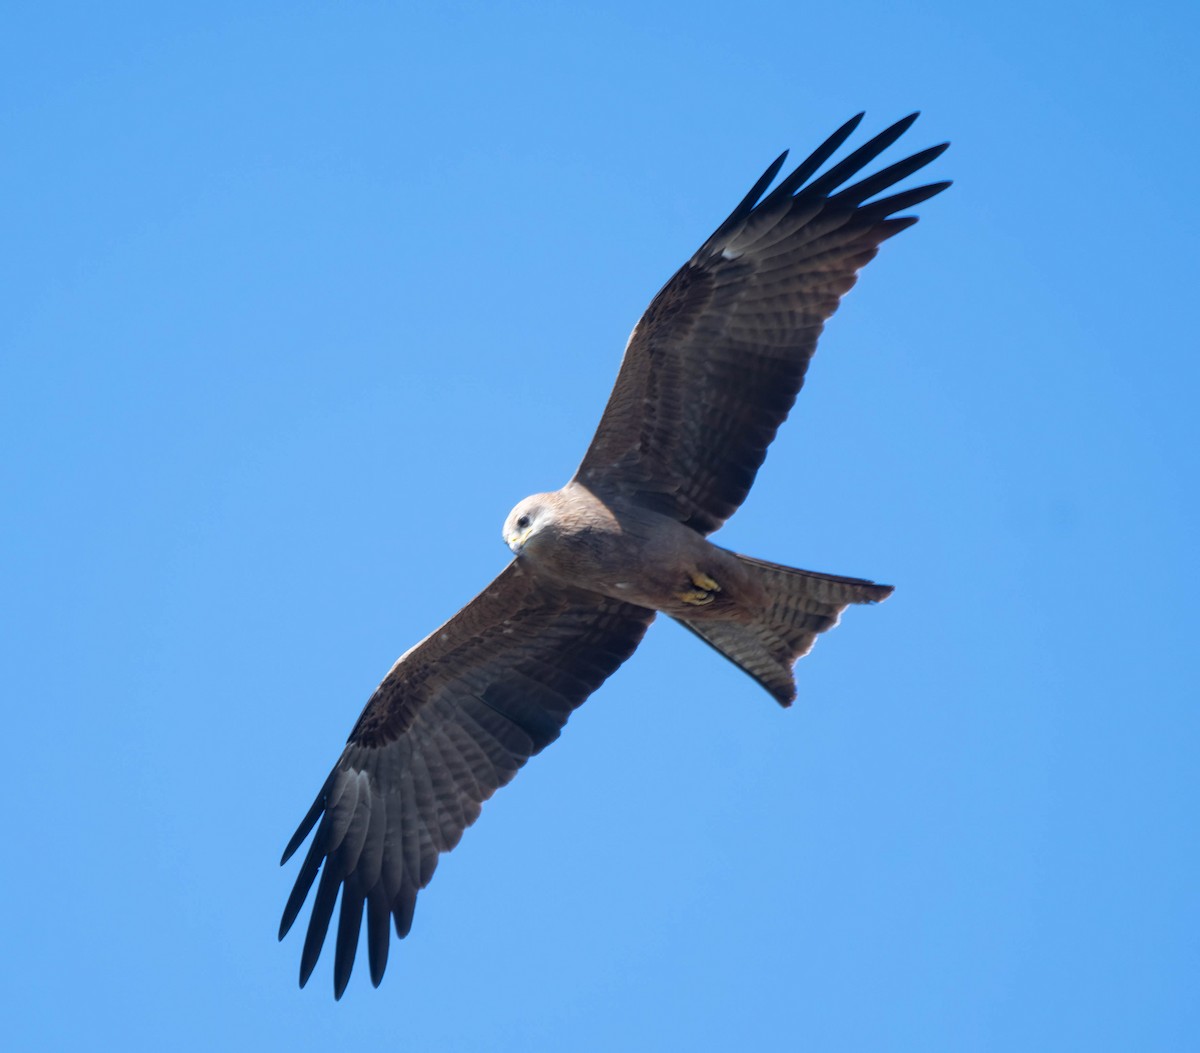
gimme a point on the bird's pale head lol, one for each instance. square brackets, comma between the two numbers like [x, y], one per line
[526, 520]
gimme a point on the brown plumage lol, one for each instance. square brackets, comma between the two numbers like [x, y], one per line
[710, 372]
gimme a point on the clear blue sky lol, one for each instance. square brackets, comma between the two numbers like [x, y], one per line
[298, 299]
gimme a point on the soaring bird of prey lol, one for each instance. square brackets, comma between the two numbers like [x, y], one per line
[709, 374]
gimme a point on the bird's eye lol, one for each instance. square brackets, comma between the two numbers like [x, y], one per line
[523, 522]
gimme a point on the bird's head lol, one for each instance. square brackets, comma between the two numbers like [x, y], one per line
[525, 521]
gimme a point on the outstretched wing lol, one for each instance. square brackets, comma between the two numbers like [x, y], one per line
[450, 724]
[714, 365]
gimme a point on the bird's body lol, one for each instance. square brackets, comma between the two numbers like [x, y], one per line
[709, 374]
[623, 551]
[759, 615]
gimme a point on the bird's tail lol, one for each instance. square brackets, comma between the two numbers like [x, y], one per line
[800, 605]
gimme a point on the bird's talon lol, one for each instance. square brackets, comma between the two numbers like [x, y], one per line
[704, 592]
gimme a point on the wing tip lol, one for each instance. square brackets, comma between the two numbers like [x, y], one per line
[848, 129]
[309, 820]
[340, 982]
[889, 228]
[296, 841]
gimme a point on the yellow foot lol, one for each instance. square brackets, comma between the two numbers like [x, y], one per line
[704, 592]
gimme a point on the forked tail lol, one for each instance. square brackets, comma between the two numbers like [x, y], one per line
[800, 606]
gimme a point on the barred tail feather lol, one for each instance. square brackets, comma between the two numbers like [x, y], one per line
[801, 605]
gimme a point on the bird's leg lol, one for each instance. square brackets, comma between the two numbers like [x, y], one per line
[704, 590]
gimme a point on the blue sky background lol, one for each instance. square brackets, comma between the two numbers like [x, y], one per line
[298, 299]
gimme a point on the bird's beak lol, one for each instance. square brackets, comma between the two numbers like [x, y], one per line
[516, 540]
